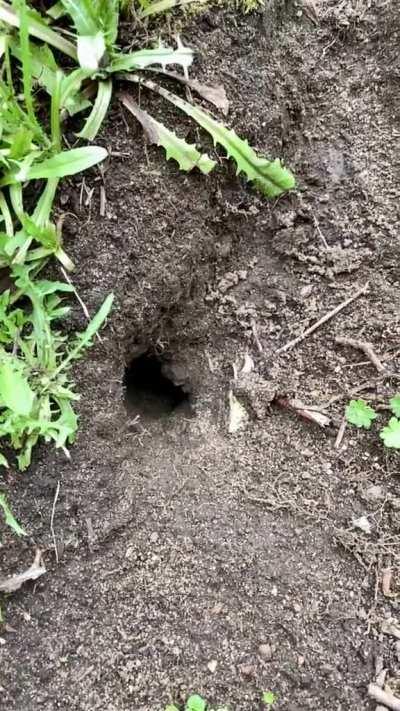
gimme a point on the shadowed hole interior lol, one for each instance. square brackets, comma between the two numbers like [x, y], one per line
[148, 392]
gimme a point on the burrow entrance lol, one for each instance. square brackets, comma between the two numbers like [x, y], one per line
[149, 392]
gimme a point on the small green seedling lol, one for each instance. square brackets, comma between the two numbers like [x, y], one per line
[391, 433]
[195, 703]
[361, 415]
[268, 698]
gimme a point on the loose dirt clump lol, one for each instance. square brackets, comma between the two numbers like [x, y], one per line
[186, 552]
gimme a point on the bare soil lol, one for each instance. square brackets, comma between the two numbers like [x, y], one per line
[183, 548]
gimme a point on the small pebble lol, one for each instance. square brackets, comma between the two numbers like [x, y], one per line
[154, 537]
[265, 651]
[247, 669]
[212, 666]
[375, 493]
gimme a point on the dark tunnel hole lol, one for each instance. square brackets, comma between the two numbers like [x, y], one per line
[148, 392]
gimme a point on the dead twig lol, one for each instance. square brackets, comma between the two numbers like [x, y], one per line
[387, 574]
[312, 414]
[340, 434]
[386, 698]
[365, 348]
[53, 510]
[323, 320]
[255, 336]
[320, 233]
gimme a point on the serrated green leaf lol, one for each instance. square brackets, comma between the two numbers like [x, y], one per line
[391, 433]
[15, 391]
[8, 515]
[395, 405]
[171, 707]
[186, 155]
[195, 703]
[360, 414]
[65, 163]
[271, 178]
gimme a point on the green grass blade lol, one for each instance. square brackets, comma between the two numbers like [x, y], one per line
[8, 515]
[85, 338]
[6, 215]
[25, 58]
[55, 118]
[44, 205]
[65, 163]
[98, 113]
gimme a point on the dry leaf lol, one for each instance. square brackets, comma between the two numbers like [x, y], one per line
[14, 582]
[213, 94]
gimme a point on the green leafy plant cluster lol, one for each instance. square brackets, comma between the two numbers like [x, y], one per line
[360, 414]
[56, 65]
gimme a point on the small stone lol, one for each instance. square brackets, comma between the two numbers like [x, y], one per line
[212, 666]
[301, 660]
[176, 651]
[217, 609]
[296, 607]
[247, 669]
[363, 524]
[274, 591]
[154, 537]
[305, 291]
[2, 641]
[265, 651]
[375, 493]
